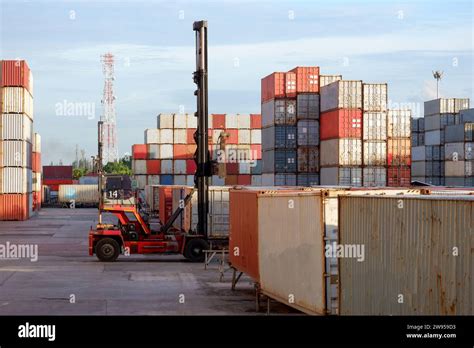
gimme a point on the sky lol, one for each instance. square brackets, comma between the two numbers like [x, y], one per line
[397, 42]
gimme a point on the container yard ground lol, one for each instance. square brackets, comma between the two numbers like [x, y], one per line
[134, 285]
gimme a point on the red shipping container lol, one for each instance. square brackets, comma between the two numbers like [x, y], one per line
[273, 86]
[36, 162]
[307, 79]
[398, 176]
[244, 179]
[341, 123]
[290, 84]
[255, 121]
[256, 151]
[232, 168]
[190, 135]
[179, 151]
[165, 204]
[14, 207]
[399, 152]
[16, 73]
[54, 183]
[231, 180]
[218, 121]
[233, 136]
[190, 167]
[153, 167]
[57, 172]
[139, 151]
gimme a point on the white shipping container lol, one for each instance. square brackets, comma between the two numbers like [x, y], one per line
[454, 152]
[79, 194]
[256, 136]
[153, 180]
[327, 79]
[374, 126]
[375, 153]
[16, 127]
[16, 180]
[343, 176]
[244, 168]
[243, 121]
[375, 97]
[218, 216]
[166, 136]
[341, 94]
[445, 105]
[167, 166]
[152, 136]
[17, 100]
[139, 166]
[37, 143]
[15, 153]
[399, 124]
[268, 179]
[141, 181]
[36, 182]
[231, 121]
[256, 180]
[190, 180]
[341, 152]
[180, 136]
[455, 168]
[217, 181]
[165, 121]
[180, 121]
[179, 168]
[180, 179]
[469, 151]
[374, 176]
[244, 136]
[166, 151]
[153, 151]
[191, 121]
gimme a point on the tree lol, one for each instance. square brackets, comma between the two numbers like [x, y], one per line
[123, 167]
[78, 172]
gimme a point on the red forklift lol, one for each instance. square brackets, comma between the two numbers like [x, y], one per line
[133, 233]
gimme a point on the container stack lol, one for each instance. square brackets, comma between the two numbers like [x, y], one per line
[16, 139]
[167, 157]
[417, 132]
[428, 159]
[290, 127]
[341, 133]
[36, 169]
[374, 134]
[399, 148]
[53, 176]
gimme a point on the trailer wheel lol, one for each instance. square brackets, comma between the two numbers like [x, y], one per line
[107, 250]
[194, 250]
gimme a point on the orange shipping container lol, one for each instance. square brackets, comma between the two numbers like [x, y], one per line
[165, 204]
[341, 123]
[16, 73]
[139, 151]
[307, 79]
[36, 162]
[218, 121]
[233, 136]
[231, 180]
[255, 121]
[14, 207]
[290, 84]
[153, 167]
[273, 86]
[399, 152]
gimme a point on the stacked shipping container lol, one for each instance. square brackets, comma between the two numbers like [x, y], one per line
[167, 157]
[16, 141]
[429, 158]
[36, 169]
[398, 148]
[290, 127]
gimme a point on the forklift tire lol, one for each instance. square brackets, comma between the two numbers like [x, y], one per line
[107, 250]
[194, 250]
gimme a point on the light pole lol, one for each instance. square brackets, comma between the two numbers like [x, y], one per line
[437, 75]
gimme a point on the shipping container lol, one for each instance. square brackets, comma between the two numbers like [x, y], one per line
[374, 97]
[455, 168]
[166, 151]
[458, 181]
[374, 126]
[273, 86]
[17, 100]
[16, 127]
[14, 207]
[255, 121]
[218, 216]
[36, 142]
[439, 121]
[414, 121]
[375, 153]
[398, 152]
[139, 151]
[439, 224]
[191, 120]
[341, 152]
[308, 159]
[153, 167]
[307, 79]
[327, 79]
[281, 179]
[179, 121]
[57, 172]
[307, 179]
[165, 121]
[343, 176]
[444, 105]
[307, 106]
[374, 176]
[166, 179]
[218, 121]
[152, 136]
[458, 133]
[153, 151]
[16, 73]
[256, 180]
[167, 167]
[290, 84]
[399, 176]
[217, 181]
[341, 123]
[15, 153]
[256, 136]
[256, 167]
[308, 132]
[435, 137]
[421, 139]
[279, 137]
[79, 194]
[469, 151]
[279, 161]
[244, 136]
[342, 94]
[279, 112]
[89, 180]
[166, 136]
[428, 153]
[454, 152]
[139, 166]
[16, 180]
[466, 116]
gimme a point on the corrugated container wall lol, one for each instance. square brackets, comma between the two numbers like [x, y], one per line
[343, 94]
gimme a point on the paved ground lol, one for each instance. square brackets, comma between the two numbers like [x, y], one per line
[136, 285]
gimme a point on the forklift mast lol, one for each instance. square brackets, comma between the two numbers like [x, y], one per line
[202, 156]
[100, 170]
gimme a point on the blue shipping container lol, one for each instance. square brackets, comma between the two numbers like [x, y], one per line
[166, 179]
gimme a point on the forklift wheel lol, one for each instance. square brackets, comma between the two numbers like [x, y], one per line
[194, 250]
[107, 250]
